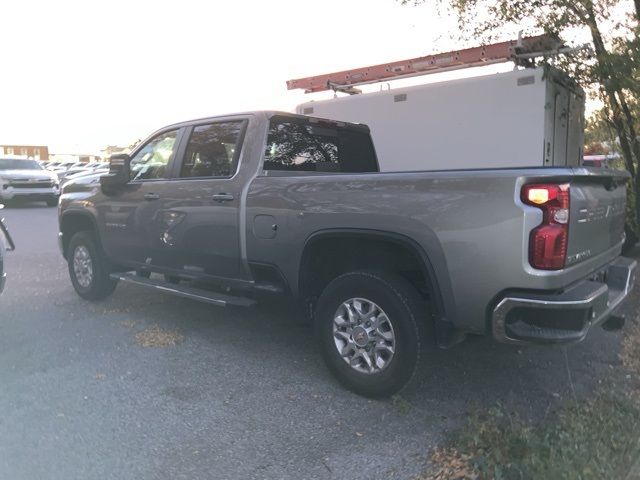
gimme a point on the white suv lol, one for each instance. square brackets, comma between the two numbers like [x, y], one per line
[26, 179]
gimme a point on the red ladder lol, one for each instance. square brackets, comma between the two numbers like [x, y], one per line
[515, 50]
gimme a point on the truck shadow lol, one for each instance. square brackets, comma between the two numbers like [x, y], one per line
[476, 374]
[529, 380]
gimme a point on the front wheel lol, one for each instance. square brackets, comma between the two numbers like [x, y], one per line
[52, 202]
[88, 268]
[370, 326]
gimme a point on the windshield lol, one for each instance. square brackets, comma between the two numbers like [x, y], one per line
[17, 164]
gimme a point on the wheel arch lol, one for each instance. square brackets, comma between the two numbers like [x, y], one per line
[402, 245]
[73, 221]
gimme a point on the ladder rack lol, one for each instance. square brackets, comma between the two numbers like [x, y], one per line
[520, 51]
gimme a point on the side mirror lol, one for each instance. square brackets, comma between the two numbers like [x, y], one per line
[119, 170]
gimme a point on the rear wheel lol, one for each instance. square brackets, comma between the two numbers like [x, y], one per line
[52, 202]
[88, 268]
[371, 326]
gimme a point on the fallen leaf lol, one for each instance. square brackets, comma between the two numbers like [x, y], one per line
[155, 336]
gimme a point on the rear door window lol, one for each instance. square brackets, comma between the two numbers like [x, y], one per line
[213, 150]
[316, 146]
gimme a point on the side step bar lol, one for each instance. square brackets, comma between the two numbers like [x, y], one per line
[215, 298]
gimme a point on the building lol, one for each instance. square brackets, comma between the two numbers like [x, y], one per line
[37, 152]
[112, 150]
[75, 157]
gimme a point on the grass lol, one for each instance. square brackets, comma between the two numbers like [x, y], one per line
[598, 438]
[630, 353]
[595, 439]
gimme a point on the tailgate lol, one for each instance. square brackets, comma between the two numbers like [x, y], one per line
[597, 213]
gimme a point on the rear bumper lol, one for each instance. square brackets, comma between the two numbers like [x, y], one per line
[564, 317]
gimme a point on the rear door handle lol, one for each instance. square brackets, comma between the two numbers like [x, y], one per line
[151, 196]
[222, 197]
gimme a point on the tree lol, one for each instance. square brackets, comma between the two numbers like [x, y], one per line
[600, 131]
[611, 72]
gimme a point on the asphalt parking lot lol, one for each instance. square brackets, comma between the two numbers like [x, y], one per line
[243, 395]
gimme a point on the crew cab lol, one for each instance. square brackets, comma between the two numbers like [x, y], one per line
[230, 209]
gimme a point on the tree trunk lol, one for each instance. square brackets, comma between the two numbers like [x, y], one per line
[635, 184]
[626, 138]
[625, 146]
[633, 136]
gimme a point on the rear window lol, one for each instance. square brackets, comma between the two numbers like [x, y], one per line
[316, 146]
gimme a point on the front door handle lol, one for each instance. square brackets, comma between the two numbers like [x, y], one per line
[222, 197]
[151, 196]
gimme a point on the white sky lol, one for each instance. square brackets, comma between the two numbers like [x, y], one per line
[79, 75]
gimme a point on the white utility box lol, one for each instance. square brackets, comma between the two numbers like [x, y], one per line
[523, 118]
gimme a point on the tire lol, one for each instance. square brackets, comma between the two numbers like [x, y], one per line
[52, 202]
[392, 363]
[88, 268]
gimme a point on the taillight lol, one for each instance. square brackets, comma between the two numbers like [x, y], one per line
[548, 241]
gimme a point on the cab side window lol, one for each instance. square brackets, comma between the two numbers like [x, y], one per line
[151, 162]
[297, 146]
[213, 150]
[302, 145]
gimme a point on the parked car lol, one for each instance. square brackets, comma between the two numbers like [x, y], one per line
[85, 168]
[55, 165]
[601, 161]
[50, 164]
[26, 179]
[268, 203]
[63, 166]
[6, 244]
[85, 177]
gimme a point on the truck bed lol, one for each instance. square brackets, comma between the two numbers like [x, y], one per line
[471, 224]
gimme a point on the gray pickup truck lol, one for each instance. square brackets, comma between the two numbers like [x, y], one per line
[231, 209]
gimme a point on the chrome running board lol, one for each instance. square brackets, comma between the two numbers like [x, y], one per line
[214, 298]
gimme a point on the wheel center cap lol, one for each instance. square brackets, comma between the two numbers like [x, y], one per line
[360, 336]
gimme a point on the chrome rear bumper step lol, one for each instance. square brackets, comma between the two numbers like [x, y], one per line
[214, 298]
[568, 316]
